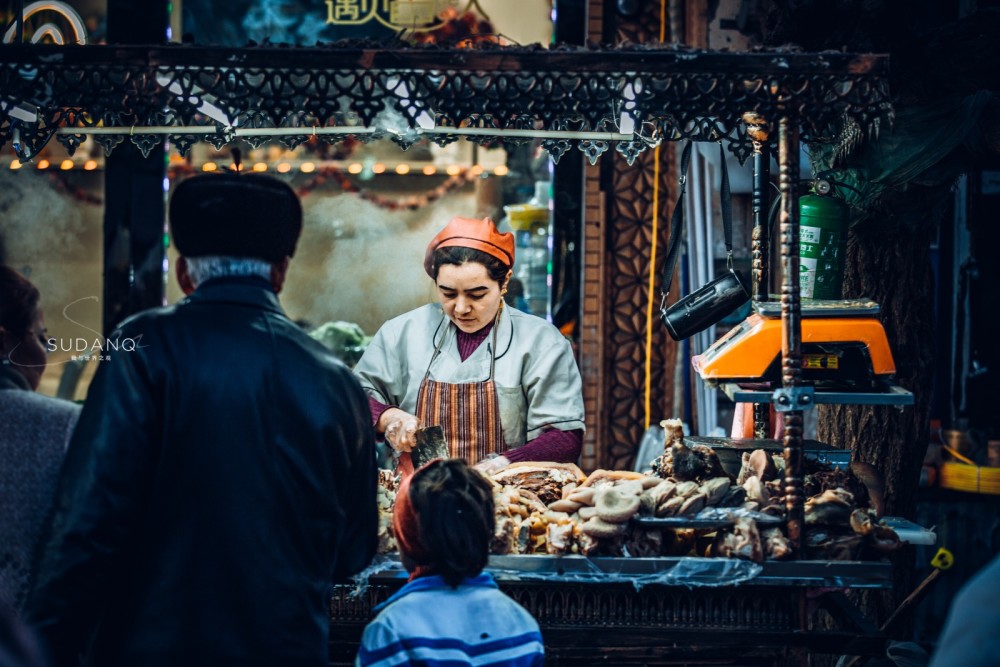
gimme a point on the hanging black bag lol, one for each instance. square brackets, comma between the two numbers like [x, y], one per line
[721, 296]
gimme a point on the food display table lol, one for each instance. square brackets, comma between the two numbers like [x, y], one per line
[654, 611]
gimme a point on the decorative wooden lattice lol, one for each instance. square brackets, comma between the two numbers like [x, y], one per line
[629, 96]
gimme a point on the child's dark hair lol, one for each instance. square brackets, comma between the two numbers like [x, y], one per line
[459, 255]
[454, 506]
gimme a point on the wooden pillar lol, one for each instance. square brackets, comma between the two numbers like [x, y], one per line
[617, 238]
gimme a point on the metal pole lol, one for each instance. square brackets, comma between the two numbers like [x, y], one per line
[758, 131]
[20, 23]
[791, 324]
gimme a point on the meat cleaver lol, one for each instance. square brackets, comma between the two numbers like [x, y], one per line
[430, 445]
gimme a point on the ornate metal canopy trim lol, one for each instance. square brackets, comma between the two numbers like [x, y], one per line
[633, 96]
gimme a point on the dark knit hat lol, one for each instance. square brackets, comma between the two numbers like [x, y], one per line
[239, 215]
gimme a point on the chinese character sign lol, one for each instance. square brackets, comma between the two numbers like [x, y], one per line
[394, 14]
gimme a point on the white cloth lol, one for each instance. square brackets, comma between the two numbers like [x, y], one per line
[537, 379]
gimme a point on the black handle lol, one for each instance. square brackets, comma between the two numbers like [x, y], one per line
[677, 219]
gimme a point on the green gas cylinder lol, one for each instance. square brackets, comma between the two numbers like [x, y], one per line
[823, 222]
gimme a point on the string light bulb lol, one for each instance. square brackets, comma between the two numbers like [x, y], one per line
[429, 170]
[259, 167]
[501, 170]
[15, 164]
[402, 169]
[355, 168]
[209, 166]
[43, 164]
[453, 170]
[90, 165]
[284, 167]
[66, 165]
[378, 168]
[308, 167]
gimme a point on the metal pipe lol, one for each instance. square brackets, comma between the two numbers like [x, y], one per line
[281, 131]
[791, 324]
[758, 131]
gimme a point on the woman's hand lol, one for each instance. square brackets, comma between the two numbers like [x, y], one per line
[399, 428]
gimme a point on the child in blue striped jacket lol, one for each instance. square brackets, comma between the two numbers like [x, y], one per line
[450, 612]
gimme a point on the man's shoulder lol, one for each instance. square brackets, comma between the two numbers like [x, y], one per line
[147, 320]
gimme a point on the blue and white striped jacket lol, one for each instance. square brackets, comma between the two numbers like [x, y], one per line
[431, 624]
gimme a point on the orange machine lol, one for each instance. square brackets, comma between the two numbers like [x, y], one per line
[843, 346]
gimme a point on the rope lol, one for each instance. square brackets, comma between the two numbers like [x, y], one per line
[651, 294]
[650, 291]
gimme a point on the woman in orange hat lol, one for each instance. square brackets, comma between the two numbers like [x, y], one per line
[503, 384]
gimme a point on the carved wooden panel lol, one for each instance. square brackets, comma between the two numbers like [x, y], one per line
[629, 260]
[617, 256]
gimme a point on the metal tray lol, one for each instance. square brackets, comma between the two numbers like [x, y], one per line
[910, 532]
[822, 308]
[886, 394]
[722, 521]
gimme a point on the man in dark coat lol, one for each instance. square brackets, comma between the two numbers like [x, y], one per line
[222, 474]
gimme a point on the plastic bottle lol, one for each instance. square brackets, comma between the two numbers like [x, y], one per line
[530, 223]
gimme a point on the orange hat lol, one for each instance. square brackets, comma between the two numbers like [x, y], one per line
[472, 233]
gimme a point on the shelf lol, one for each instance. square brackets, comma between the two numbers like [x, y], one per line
[892, 395]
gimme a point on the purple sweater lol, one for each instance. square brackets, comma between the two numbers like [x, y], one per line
[551, 445]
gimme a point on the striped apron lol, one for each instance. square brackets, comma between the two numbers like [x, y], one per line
[469, 413]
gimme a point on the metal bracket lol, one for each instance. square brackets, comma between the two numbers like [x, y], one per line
[793, 398]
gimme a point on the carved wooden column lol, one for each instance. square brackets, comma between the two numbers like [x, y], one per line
[618, 235]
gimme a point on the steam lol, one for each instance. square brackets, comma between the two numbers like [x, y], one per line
[281, 21]
[41, 230]
[361, 263]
